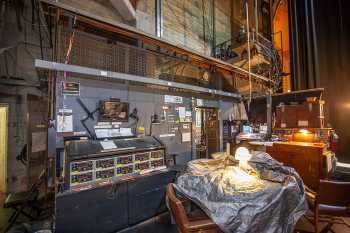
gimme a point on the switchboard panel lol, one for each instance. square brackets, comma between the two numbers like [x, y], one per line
[115, 165]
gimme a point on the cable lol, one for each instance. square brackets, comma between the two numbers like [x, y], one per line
[69, 50]
[249, 68]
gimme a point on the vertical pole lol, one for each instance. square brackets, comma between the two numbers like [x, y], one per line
[221, 124]
[269, 114]
[248, 44]
[203, 19]
[159, 18]
[256, 20]
[213, 19]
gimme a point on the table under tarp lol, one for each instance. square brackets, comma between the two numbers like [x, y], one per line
[270, 201]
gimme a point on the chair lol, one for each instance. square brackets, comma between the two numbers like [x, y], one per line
[332, 199]
[196, 221]
[23, 201]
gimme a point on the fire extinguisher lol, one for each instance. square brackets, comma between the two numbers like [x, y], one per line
[334, 138]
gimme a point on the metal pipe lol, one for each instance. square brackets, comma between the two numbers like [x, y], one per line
[204, 36]
[159, 18]
[269, 114]
[214, 28]
[39, 25]
[256, 20]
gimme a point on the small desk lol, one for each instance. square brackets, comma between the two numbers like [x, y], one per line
[311, 160]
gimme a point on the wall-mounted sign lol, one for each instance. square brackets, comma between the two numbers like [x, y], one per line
[70, 88]
[182, 114]
[173, 99]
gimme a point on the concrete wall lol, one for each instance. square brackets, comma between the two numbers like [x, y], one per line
[147, 101]
[186, 23]
[19, 45]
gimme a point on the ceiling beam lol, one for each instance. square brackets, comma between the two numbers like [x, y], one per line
[91, 72]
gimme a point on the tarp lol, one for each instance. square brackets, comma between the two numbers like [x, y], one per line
[270, 201]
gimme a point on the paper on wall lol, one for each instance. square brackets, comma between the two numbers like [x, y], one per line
[173, 99]
[39, 141]
[108, 145]
[200, 102]
[65, 120]
[186, 137]
[182, 113]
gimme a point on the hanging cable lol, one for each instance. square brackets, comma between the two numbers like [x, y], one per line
[69, 50]
[248, 44]
[67, 59]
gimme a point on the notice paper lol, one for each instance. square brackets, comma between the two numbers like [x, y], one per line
[108, 145]
[182, 114]
[186, 137]
[39, 141]
[65, 120]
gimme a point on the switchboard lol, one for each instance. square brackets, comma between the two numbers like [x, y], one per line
[132, 157]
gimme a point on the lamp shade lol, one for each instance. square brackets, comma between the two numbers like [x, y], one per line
[242, 154]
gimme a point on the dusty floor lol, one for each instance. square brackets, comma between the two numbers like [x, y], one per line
[302, 226]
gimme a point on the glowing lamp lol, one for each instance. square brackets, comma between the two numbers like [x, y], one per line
[243, 156]
[304, 131]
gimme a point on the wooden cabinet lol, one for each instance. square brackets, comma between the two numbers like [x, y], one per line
[306, 158]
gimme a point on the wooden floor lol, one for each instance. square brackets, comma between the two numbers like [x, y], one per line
[302, 226]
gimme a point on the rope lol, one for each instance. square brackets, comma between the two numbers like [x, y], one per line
[69, 50]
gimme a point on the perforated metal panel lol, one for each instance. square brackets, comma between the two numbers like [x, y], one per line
[92, 51]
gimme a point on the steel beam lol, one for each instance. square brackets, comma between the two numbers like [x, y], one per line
[42, 64]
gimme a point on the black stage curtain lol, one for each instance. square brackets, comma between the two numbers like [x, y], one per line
[320, 45]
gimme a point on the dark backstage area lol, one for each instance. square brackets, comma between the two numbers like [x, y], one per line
[174, 116]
